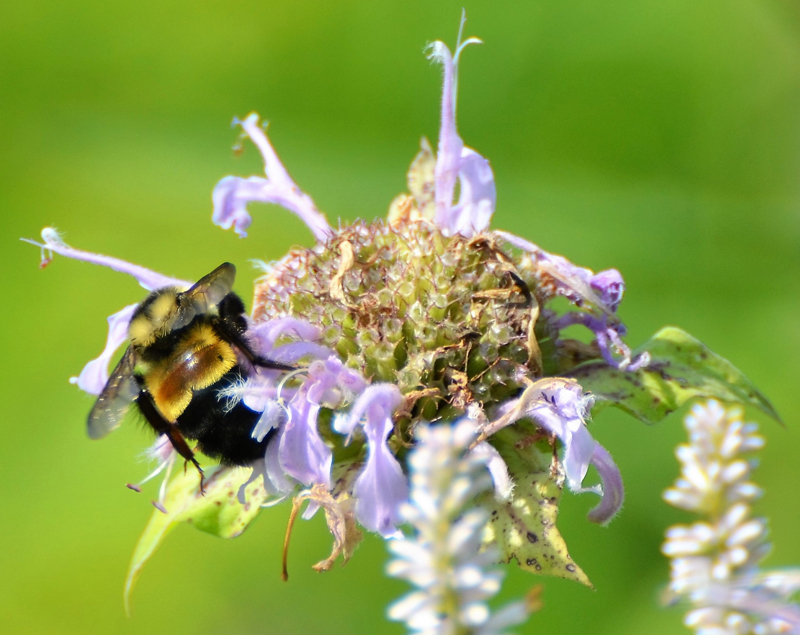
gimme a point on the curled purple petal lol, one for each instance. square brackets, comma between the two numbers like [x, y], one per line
[232, 194]
[230, 198]
[94, 375]
[145, 277]
[381, 488]
[613, 490]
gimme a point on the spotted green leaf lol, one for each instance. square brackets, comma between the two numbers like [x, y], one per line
[219, 512]
[524, 528]
[681, 368]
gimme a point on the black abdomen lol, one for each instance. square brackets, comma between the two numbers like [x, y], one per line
[222, 433]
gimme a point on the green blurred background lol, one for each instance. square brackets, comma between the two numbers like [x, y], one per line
[661, 138]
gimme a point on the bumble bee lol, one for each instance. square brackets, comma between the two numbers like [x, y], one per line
[185, 347]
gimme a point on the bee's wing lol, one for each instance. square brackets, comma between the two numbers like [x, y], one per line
[206, 293]
[118, 394]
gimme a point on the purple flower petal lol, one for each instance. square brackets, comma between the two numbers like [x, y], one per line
[230, 198]
[610, 287]
[303, 454]
[450, 144]
[559, 406]
[613, 490]
[455, 161]
[578, 454]
[275, 480]
[561, 410]
[381, 488]
[273, 416]
[266, 333]
[600, 292]
[571, 281]
[94, 376]
[478, 195]
[293, 352]
[232, 194]
[148, 279]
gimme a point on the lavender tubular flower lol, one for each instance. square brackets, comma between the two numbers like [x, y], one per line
[443, 558]
[715, 562]
[232, 193]
[381, 487]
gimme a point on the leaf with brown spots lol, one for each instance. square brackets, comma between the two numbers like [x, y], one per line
[219, 512]
[524, 528]
[681, 368]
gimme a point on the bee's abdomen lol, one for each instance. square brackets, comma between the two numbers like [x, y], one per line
[222, 433]
[200, 360]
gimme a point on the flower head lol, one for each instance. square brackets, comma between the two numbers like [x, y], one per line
[398, 329]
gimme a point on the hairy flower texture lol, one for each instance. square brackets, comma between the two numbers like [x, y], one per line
[714, 562]
[443, 558]
[427, 317]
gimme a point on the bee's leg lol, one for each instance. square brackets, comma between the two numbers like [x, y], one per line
[162, 426]
[228, 332]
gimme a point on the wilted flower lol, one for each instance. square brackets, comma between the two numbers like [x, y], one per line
[715, 562]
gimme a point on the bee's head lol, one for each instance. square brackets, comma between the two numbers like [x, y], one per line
[155, 317]
[170, 308]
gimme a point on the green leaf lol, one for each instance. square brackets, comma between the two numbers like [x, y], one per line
[219, 512]
[524, 528]
[681, 368]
